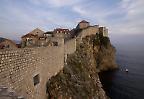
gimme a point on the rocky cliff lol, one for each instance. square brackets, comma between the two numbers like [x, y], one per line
[79, 78]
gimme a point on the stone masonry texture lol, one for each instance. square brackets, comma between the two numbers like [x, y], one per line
[19, 66]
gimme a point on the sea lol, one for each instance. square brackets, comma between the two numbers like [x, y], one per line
[119, 84]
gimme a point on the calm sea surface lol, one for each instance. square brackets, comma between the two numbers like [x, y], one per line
[121, 85]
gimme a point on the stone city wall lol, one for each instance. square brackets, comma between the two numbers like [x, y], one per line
[19, 68]
[70, 47]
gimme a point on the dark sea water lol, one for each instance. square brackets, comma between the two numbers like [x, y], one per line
[121, 85]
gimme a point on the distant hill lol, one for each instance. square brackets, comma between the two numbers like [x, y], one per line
[15, 41]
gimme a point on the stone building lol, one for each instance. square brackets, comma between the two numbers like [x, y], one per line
[49, 41]
[83, 24]
[59, 32]
[48, 34]
[37, 37]
[103, 31]
[37, 32]
[31, 39]
[7, 44]
[42, 41]
[84, 29]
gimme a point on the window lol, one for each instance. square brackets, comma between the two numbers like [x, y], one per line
[55, 43]
[36, 79]
[30, 40]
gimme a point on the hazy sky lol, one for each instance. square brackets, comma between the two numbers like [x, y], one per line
[17, 17]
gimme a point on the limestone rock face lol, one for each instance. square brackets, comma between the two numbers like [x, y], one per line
[79, 78]
[106, 58]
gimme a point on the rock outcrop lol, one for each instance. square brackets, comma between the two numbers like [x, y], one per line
[79, 78]
[105, 57]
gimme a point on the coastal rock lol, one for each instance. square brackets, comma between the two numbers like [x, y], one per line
[106, 58]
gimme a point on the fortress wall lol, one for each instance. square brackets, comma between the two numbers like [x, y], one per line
[70, 47]
[87, 32]
[19, 66]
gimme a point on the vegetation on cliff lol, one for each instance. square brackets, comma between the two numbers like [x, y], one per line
[79, 78]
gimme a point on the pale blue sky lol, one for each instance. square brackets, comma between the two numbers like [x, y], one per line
[122, 17]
